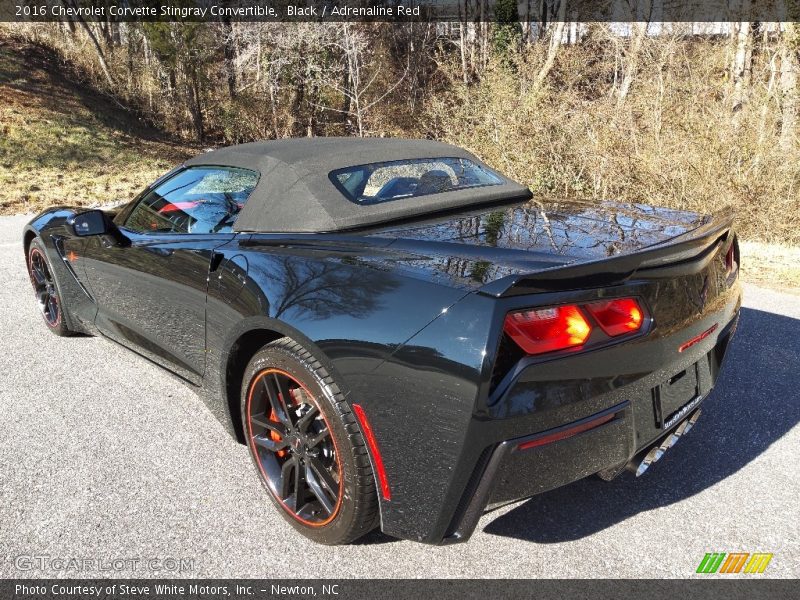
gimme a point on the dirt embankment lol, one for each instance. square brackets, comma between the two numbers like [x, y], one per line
[63, 143]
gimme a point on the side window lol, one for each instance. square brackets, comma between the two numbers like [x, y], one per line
[196, 200]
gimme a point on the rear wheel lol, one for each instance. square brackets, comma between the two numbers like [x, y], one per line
[46, 290]
[306, 445]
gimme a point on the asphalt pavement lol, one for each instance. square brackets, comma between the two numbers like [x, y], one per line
[106, 459]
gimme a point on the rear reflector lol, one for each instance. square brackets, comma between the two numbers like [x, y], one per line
[617, 317]
[547, 329]
[369, 435]
[566, 433]
[698, 338]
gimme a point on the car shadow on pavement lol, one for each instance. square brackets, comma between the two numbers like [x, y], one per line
[753, 405]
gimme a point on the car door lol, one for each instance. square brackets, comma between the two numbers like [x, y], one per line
[150, 280]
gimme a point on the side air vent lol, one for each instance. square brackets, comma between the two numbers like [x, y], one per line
[508, 355]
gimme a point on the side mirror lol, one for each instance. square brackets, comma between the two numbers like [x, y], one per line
[91, 222]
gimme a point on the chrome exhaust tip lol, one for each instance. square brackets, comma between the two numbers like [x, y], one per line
[650, 458]
[691, 421]
[656, 452]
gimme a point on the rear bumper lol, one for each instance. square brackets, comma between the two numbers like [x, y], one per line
[523, 466]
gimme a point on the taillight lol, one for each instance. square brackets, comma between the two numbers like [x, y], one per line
[548, 329]
[553, 328]
[617, 317]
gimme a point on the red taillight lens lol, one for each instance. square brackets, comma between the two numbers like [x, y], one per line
[617, 317]
[548, 329]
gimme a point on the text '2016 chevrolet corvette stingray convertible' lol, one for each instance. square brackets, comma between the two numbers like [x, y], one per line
[401, 335]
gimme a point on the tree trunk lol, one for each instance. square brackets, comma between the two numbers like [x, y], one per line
[346, 100]
[146, 47]
[765, 108]
[742, 67]
[789, 92]
[525, 24]
[97, 49]
[555, 43]
[631, 62]
[463, 33]
[544, 20]
[484, 33]
[71, 25]
[105, 29]
[273, 103]
[194, 102]
[230, 56]
[312, 125]
[298, 96]
[463, 47]
[132, 51]
[258, 58]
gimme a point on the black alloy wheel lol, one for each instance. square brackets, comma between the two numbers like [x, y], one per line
[306, 445]
[46, 289]
[295, 451]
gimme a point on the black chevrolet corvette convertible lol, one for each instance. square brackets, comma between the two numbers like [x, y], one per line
[401, 335]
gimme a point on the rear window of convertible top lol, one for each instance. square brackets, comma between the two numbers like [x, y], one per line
[386, 181]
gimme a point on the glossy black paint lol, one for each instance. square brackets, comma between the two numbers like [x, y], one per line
[408, 319]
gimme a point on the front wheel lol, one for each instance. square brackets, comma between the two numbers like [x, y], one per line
[306, 445]
[46, 290]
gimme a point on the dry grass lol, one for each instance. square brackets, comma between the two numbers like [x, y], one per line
[63, 144]
[772, 265]
[673, 143]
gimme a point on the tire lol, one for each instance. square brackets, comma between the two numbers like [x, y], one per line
[46, 289]
[313, 437]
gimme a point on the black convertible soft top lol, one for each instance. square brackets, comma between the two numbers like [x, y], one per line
[295, 192]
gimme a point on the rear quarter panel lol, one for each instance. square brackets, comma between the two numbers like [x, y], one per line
[409, 350]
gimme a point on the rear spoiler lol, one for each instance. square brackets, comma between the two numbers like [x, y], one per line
[684, 254]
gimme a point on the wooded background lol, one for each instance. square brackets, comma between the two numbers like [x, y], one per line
[688, 115]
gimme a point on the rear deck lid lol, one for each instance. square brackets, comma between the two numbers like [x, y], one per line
[487, 246]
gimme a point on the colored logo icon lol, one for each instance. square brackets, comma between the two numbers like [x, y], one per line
[737, 562]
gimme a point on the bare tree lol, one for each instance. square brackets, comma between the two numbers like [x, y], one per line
[556, 37]
[101, 57]
[229, 49]
[742, 64]
[356, 84]
[790, 41]
[467, 34]
[631, 60]
[774, 74]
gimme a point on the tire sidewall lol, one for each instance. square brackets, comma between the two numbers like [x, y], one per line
[330, 403]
